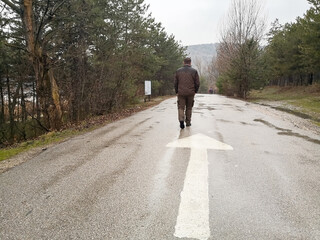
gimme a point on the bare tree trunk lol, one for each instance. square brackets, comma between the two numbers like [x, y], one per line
[198, 64]
[33, 99]
[310, 80]
[55, 113]
[23, 106]
[2, 117]
[47, 88]
[10, 109]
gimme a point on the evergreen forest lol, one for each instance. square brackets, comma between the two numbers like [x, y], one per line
[62, 61]
[289, 57]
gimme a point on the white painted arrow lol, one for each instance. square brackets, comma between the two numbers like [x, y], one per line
[193, 216]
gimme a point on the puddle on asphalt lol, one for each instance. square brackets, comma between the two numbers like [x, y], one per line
[271, 125]
[224, 121]
[248, 124]
[309, 161]
[201, 113]
[242, 123]
[237, 108]
[293, 112]
[299, 114]
[288, 132]
[300, 136]
[204, 107]
[210, 108]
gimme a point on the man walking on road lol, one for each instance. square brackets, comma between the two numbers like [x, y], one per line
[186, 84]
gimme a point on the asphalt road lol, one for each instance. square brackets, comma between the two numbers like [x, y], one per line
[133, 179]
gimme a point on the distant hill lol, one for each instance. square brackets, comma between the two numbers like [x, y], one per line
[202, 52]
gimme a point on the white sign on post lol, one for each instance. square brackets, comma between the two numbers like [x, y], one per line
[147, 88]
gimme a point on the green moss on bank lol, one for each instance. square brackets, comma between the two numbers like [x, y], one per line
[44, 140]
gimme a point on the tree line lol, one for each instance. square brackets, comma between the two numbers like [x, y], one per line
[291, 56]
[62, 61]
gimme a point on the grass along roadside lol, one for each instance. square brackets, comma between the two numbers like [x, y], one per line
[76, 129]
[303, 101]
[42, 141]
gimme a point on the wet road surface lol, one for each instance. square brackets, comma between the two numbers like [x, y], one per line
[125, 180]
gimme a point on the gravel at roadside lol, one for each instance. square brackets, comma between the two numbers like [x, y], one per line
[272, 108]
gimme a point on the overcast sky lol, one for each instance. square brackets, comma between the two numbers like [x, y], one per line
[196, 21]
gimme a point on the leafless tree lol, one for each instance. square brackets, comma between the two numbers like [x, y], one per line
[245, 20]
[241, 35]
[198, 63]
[212, 72]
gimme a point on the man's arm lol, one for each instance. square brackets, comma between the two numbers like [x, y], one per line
[176, 82]
[196, 82]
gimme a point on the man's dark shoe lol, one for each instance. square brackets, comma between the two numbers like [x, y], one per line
[182, 124]
[188, 124]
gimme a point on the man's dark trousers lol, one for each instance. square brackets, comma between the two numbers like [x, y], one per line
[185, 104]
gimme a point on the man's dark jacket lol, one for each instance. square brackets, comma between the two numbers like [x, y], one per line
[186, 81]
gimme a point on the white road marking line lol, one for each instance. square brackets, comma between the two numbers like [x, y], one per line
[193, 216]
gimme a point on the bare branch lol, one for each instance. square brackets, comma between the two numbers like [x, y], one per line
[42, 21]
[56, 7]
[12, 6]
[5, 22]
[244, 21]
[39, 122]
[16, 47]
